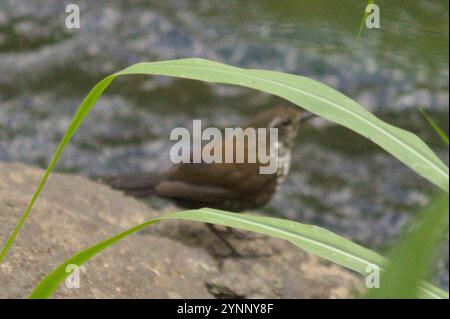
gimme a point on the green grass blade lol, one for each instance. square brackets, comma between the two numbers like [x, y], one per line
[309, 94]
[49, 284]
[436, 127]
[418, 251]
[78, 118]
[311, 238]
[316, 98]
[363, 21]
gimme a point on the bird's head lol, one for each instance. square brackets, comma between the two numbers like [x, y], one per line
[285, 119]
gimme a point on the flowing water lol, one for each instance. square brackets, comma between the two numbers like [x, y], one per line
[338, 180]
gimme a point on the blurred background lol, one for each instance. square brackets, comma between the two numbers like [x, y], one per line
[338, 180]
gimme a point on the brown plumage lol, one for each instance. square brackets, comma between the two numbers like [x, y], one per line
[228, 186]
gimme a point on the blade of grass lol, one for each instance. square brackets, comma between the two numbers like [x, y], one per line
[311, 95]
[78, 118]
[410, 263]
[363, 21]
[436, 127]
[311, 238]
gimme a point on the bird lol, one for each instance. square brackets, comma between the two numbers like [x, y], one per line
[227, 186]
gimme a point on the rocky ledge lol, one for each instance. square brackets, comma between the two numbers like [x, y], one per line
[168, 260]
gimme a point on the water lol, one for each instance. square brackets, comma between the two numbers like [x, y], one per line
[338, 180]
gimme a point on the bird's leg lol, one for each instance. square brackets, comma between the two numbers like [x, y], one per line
[233, 252]
[219, 235]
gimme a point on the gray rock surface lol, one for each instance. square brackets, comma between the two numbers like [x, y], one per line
[168, 260]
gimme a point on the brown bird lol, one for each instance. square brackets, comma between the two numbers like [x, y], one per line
[228, 186]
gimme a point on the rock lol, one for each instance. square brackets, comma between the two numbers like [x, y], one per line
[172, 259]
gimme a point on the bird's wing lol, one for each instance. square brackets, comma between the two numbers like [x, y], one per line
[229, 178]
[185, 191]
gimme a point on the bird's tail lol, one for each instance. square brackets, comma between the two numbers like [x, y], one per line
[137, 185]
